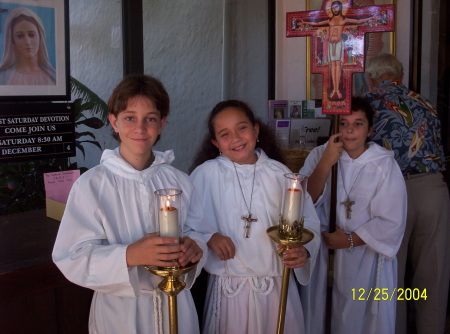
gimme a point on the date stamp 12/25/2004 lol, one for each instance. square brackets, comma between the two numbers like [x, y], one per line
[389, 294]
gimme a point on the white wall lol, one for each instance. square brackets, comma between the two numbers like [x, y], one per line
[183, 42]
[182, 47]
[96, 60]
[187, 53]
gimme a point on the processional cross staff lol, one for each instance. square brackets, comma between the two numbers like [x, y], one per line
[344, 27]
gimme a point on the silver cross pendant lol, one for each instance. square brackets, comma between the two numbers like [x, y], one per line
[248, 221]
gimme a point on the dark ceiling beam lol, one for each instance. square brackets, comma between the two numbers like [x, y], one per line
[133, 37]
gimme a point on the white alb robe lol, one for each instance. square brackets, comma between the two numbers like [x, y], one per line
[244, 292]
[109, 207]
[378, 217]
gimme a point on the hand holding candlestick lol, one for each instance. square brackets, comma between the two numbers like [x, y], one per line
[170, 222]
[290, 232]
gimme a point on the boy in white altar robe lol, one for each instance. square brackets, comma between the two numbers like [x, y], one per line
[240, 184]
[370, 220]
[108, 229]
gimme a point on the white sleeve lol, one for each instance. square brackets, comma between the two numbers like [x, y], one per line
[82, 252]
[198, 229]
[383, 232]
[312, 223]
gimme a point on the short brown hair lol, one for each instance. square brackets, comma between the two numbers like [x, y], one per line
[135, 85]
[363, 104]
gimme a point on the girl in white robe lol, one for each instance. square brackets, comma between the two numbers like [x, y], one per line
[244, 285]
[107, 231]
[368, 235]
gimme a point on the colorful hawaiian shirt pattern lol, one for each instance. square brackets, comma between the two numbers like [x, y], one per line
[408, 124]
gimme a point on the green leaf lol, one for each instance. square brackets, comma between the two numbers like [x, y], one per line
[81, 148]
[98, 105]
[93, 122]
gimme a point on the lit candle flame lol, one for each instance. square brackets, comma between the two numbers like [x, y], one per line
[168, 201]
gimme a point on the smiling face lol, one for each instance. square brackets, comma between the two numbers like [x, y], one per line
[355, 131]
[138, 126]
[26, 39]
[235, 135]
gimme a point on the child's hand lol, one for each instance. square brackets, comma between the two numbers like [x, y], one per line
[222, 246]
[190, 252]
[336, 240]
[334, 150]
[295, 257]
[154, 250]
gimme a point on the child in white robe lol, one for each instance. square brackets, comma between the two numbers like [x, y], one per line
[370, 220]
[108, 229]
[235, 178]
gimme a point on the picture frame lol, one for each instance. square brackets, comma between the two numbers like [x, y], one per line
[376, 42]
[278, 109]
[50, 80]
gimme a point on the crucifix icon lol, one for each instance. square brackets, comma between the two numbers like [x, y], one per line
[248, 221]
[348, 208]
[337, 49]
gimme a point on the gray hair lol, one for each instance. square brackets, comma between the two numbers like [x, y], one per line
[382, 64]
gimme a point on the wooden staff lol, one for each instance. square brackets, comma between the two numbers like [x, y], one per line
[331, 229]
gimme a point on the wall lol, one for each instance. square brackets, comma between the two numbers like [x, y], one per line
[204, 52]
[96, 59]
[183, 47]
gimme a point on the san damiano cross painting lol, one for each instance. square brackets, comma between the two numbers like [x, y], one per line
[337, 44]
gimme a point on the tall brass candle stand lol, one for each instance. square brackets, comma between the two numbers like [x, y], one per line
[290, 232]
[168, 206]
[172, 285]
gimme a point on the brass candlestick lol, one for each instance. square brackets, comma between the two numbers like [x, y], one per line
[299, 239]
[172, 285]
[290, 232]
[170, 220]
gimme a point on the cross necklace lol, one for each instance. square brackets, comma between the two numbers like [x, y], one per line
[348, 203]
[248, 220]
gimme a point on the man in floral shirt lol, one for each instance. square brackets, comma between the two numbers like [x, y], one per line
[407, 123]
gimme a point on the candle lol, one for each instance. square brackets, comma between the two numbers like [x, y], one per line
[168, 221]
[292, 204]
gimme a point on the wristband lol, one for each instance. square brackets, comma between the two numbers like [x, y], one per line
[350, 238]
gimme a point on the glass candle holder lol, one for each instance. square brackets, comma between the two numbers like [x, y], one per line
[168, 206]
[291, 216]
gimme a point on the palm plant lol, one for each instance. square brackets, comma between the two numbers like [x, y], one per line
[87, 100]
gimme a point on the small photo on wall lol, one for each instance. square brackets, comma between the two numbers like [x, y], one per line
[278, 109]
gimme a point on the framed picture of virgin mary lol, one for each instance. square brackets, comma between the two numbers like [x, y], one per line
[34, 50]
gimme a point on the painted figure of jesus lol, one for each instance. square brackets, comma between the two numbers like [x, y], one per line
[336, 24]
